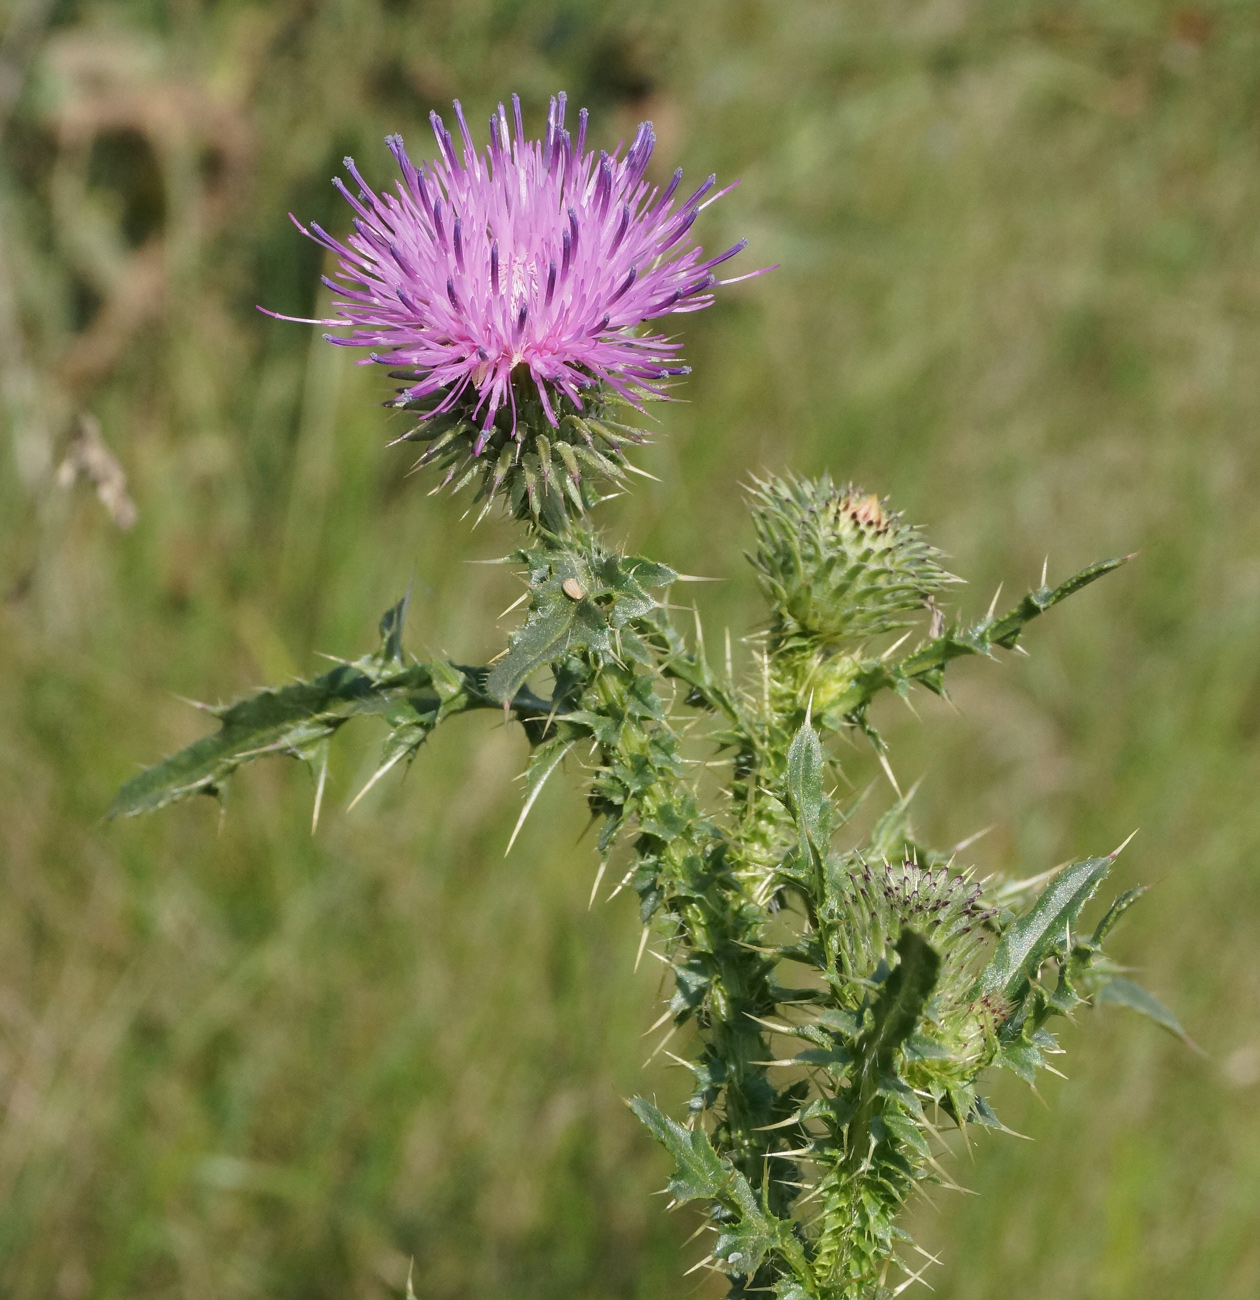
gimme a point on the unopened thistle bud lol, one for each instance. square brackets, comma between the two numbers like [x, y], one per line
[836, 565]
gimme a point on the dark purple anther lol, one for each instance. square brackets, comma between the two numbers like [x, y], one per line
[621, 229]
[603, 186]
[700, 193]
[680, 230]
[465, 133]
[442, 136]
[496, 143]
[667, 194]
[625, 284]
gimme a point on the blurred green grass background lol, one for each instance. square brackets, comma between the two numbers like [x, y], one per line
[1020, 292]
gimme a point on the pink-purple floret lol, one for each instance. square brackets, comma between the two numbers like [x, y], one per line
[531, 253]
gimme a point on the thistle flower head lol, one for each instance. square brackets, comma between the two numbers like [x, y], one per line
[836, 564]
[508, 288]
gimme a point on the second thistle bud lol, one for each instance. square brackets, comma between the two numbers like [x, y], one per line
[836, 565]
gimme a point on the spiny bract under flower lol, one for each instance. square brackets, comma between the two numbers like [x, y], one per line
[532, 256]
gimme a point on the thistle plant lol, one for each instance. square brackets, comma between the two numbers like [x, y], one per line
[837, 1000]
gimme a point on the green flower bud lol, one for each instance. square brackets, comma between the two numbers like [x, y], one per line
[836, 565]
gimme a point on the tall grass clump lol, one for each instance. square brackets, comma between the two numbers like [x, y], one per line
[839, 990]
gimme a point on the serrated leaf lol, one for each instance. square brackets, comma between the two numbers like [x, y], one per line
[626, 579]
[298, 720]
[926, 663]
[699, 1172]
[741, 1247]
[291, 720]
[559, 626]
[836, 1060]
[1023, 1058]
[403, 743]
[1029, 940]
[1007, 629]
[544, 639]
[982, 1113]
[564, 619]
[1122, 992]
[787, 1288]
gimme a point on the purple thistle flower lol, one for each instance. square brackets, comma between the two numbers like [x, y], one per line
[531, 255]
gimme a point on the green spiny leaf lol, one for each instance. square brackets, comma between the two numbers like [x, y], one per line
[1028, 941]
[1114, 913]
[699, 1171]
[1005, 632]
[933, 655]
[805, 772]
[557, 625]
[298, 720]
[702, 1174]
[1121, 992]
[286, 721]
[741, 1247]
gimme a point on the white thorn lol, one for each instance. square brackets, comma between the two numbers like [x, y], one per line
[376, 776]
[971, 839]
[888, 772]
[651, 1029]
[638, 956]
[660, 1047]
[599, 878]
[896, 645]
[319, 792]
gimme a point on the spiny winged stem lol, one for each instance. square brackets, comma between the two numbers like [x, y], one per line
[837, 1007]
